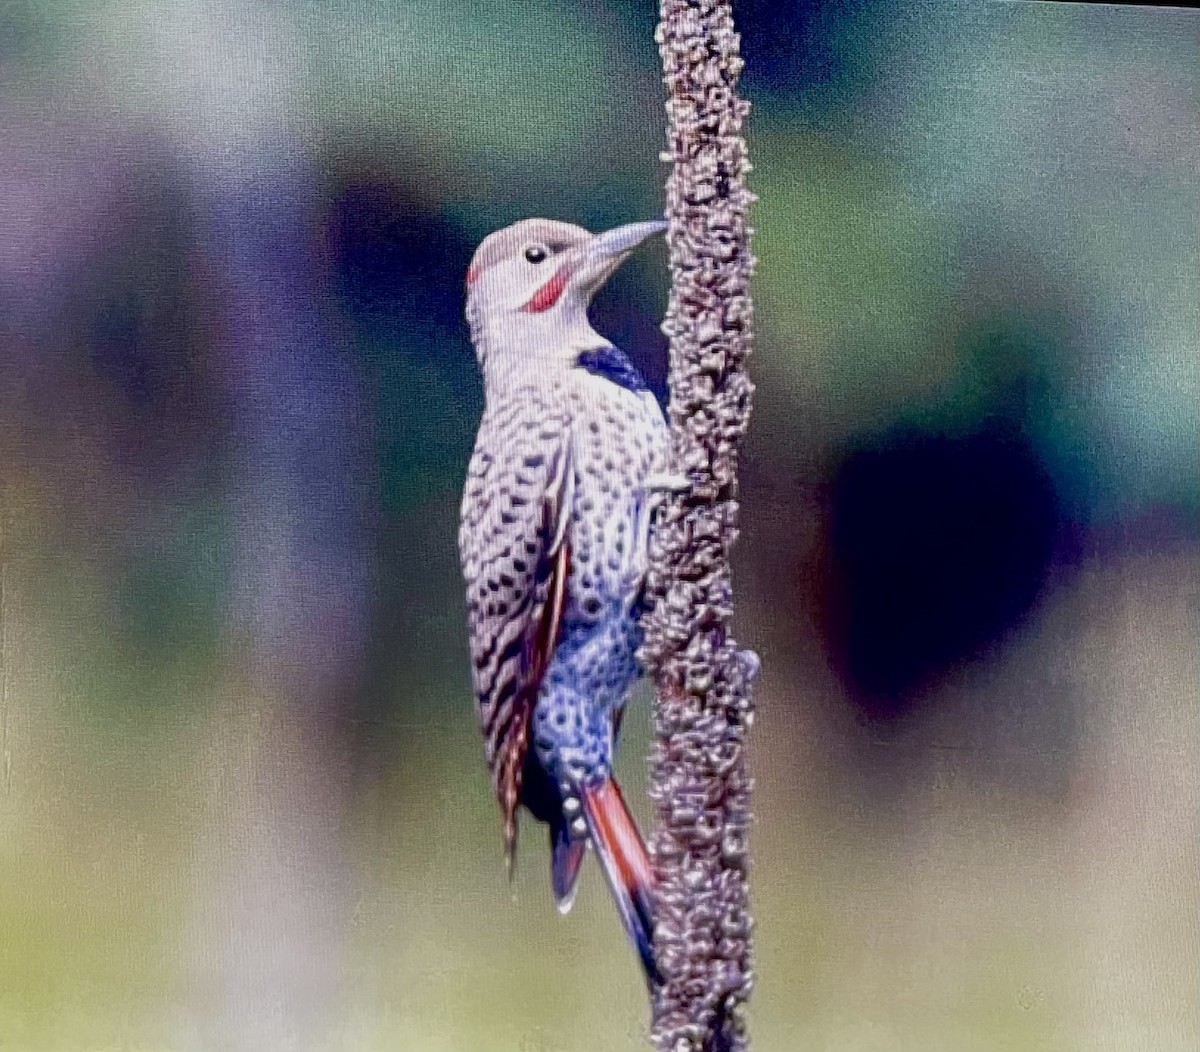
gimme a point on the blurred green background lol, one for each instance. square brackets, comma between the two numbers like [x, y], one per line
[242, 798]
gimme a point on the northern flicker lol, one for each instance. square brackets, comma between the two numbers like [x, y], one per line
[556, 514]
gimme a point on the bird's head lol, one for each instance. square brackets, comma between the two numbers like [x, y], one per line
[529, 286]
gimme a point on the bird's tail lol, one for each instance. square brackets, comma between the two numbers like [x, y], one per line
[626, 864]
[566, 859]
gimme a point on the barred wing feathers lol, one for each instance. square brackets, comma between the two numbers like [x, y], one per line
[515, 556]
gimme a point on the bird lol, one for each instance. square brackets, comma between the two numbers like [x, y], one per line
[569, 465]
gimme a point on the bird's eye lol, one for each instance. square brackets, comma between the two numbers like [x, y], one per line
[536, 254]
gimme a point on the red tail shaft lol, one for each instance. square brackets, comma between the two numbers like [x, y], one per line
[626, 864]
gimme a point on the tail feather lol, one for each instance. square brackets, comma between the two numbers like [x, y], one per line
[626, 864]
[566, 858]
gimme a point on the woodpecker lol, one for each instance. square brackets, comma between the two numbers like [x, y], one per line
[568, 466]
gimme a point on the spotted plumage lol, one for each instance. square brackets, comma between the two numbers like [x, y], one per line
[555, 524]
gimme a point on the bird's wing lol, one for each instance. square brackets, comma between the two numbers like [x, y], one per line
[516, 555]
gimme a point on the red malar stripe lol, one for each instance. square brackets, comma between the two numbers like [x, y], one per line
[550, 293]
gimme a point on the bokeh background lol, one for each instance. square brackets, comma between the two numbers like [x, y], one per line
[242, 796]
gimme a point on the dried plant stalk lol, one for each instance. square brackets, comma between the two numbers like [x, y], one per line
[699, 784]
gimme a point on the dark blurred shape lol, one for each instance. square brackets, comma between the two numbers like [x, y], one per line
[399, 268]
[797, 47]
[629, 311]
[138, 316]
[393, 253]
[938, 545]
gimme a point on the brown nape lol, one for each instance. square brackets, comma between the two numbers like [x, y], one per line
[507, 243]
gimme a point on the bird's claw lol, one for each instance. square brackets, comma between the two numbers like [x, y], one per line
[665, 482]
[751, 663]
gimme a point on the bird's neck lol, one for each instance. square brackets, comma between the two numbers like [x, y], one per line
[516, 349]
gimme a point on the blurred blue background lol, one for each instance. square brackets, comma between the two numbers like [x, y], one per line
[242, 798]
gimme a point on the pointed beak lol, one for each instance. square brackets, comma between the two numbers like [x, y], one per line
[600, 257]
[624, 239]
